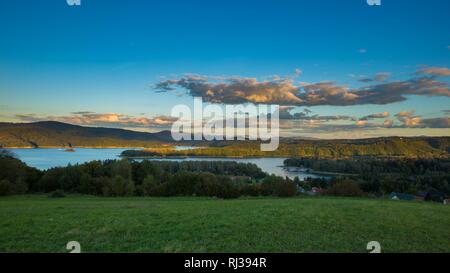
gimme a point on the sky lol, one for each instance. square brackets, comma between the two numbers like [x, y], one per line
[339, 69]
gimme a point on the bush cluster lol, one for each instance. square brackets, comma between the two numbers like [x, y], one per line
[380, 176]
[114, 178]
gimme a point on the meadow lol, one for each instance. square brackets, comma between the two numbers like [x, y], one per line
[36, 223]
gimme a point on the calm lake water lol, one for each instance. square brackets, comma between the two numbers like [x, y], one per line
[48, 158]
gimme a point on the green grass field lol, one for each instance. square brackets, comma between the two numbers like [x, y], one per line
[41, 224]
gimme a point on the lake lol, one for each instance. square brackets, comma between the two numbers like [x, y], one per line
[48, 158]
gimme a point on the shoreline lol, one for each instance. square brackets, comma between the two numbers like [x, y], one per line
[80, 147]
[206, 157]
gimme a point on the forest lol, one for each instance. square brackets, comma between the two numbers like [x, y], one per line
[111, 178]
[317, 149]
[380, 176]
[57, 134]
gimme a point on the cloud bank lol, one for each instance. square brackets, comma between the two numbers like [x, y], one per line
[237, 90]
[102, 119]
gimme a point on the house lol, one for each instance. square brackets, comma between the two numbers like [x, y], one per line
[402, 196]
[316, 191]
[435, 196]
[421, 196]
[300, 190]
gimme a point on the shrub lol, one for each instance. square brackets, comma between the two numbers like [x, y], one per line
[50, 180]
[250, 190]
[228, 189]
[12, 169]
[20, 187]
[183, 183]
[269, 185]
[207, 185]
[121, 168]
[118, 186]
[345, 188]
[87, 185]
[285, 189]
[57, 194]
[149, 186]
[5, 187]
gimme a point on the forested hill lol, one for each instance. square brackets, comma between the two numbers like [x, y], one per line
[57, 134]
[419, 147]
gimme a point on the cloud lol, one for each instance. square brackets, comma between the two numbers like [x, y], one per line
[298, 72]
[409, 120]
[379, 77]
[405, 114]
[236, 90]
[388, 123]
[82, 113]
[396, 91]
[362, 50]
[305, 115]
[376, 116]
[361, 123]
[317, 127]
[285, 92]
[435, 71]
[383, 76]
[100, 119]
[412, 122]
[316, 124]
[365, 79]
[443, 122]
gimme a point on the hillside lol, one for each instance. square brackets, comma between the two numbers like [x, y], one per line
[188, 225]
[422, 147]
[57, 134]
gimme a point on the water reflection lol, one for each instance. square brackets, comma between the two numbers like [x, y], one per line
[49, 158]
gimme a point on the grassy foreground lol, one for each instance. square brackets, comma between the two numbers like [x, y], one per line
[41, 224]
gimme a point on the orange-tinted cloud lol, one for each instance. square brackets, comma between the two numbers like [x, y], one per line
[102, 119]
[435, 71]
[286, 92]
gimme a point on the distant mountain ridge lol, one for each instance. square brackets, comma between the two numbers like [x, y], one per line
[58, 134]
[51, 134]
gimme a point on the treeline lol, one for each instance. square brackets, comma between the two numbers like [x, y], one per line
[147, 178]
[57, 134]
[316, 149]
[373, 165]
[380, 176]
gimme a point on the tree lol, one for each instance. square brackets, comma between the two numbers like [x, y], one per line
[5, 187]
[87, 184]
[149, 185]
[285, 189]
[118, 186]
[121, 168]
[345, 188]
[19, 187]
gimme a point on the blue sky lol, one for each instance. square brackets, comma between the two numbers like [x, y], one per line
[103, 57]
